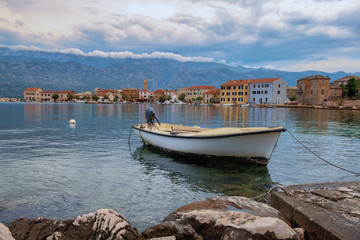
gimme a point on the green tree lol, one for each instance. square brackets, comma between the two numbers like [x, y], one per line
[199, 98]
[182, 97]
[215, 98]
[106, 97]
[70, 97]
[55, 96]
[86, 97]
[164, 98]
[351, 87]
[116, 98]
[94, 97]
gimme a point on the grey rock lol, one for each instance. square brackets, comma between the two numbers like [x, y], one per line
[5, 234]
[223, 218]
[102, 224]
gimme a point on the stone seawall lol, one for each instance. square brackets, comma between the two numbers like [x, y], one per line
[323, 210]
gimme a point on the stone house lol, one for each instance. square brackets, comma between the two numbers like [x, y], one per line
[336, 90]
[313, 90]
[130, 94]
[158, 94]
[291, 92]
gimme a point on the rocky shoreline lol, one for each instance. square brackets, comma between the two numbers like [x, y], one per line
[308, 211]
[219, 217]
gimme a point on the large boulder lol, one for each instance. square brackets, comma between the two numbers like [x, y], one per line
[5, 233]
[102, 224]
[223, 218]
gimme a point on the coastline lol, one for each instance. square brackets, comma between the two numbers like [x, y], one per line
[330, 105]
[305, 211]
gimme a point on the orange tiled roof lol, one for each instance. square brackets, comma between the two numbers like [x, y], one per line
[159, 91]
[235, 82]
[210, 92]
[31, 89]
[202, 87]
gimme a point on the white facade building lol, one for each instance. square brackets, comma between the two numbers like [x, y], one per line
[172, 94]
[268, 90]
[144, 94]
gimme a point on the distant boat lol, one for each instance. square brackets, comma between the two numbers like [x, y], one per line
[249, 145]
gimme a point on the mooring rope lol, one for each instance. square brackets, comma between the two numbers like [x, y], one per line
[130, 134]
[330, 163]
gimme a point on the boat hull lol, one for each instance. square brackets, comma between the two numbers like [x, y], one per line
[249, 147]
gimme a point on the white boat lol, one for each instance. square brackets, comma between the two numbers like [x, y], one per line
[248, 145]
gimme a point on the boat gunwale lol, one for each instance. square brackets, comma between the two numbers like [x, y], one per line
[275, 129]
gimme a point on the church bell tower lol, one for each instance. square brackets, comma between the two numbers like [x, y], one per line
[145, 85]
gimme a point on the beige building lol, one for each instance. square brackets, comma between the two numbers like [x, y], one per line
[212, 96]
[48, 95]
[32, 94]
[181, 91]
[194, 92]
[234, 92]
[313, 90]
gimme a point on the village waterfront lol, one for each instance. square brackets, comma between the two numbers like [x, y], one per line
[57, 171]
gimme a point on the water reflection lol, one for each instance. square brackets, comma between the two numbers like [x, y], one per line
[209, 175]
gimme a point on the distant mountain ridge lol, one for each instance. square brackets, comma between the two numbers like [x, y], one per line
[58, 71]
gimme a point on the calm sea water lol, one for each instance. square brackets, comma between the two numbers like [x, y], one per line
[50, 169]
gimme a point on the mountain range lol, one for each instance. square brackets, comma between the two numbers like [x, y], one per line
[56, 71]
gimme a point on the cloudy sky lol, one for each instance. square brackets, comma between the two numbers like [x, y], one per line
[291, 35]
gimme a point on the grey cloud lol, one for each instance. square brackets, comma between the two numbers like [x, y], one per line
[19, 23]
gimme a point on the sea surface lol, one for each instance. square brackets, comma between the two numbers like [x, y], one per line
[53, 170]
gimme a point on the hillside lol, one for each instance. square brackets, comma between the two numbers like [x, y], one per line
[56, 71]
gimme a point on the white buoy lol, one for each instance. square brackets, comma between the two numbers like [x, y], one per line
[72, 122]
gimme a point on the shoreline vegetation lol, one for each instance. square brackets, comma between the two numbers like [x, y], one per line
[330, 105]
